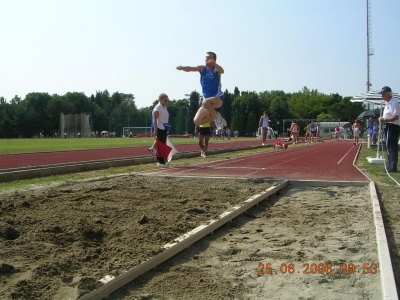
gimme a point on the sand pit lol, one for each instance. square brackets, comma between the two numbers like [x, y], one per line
[303, 226]
[56, 243]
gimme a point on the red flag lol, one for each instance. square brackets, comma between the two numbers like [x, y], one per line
[163, 150]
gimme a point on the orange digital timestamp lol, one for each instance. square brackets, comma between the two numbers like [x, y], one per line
[318, 268]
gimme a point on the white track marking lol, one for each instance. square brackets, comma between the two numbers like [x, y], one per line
[344, 156]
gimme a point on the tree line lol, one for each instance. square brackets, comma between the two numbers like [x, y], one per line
[40, 112]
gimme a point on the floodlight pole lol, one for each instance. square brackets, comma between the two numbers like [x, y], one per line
[370, 51]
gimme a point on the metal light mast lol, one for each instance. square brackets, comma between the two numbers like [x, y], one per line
[370, 51]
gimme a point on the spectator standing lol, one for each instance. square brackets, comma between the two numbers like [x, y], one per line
[372, 130]
[337, 132]
[153, 148]
[228, 133]
[313, 131]
[264, 124]
[391, 120]
[161, 119]
[356, 132]
[295, 130]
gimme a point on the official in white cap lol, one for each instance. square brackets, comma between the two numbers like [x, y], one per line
[391, 119]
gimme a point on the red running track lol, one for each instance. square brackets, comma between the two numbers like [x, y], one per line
[40, 159]
[329, 161]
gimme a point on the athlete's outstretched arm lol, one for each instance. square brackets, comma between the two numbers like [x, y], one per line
[190, 69]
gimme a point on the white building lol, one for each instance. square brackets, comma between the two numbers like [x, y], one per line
[328, 128]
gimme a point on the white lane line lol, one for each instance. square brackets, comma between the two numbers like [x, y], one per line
[344, 156]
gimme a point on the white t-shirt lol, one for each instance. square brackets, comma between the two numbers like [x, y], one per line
[163, 116]
[392, 108]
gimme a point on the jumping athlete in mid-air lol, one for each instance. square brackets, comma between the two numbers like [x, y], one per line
[210, 79]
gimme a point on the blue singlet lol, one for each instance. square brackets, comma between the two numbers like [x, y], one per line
[210, 82]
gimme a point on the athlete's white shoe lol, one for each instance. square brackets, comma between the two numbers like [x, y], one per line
[202, 153]
[162, 165]
[220, 119]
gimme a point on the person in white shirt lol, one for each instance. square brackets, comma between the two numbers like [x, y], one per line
[161, 118]
[391, 119]
[295, 130]
[264, 124]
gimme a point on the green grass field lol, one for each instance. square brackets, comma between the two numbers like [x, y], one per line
[11, 146]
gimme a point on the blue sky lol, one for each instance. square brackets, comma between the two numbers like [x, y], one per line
[60, 46]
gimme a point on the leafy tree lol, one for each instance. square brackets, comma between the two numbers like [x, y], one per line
[278, 109]
[40, 112]
[354, 109]
[5, 122]
[252, 124]
[37, 119]
[239, 119]
[236, 91]
[323, 117]
[179, 125]
[227, 109]
[265, 102]
[54, 108]
[115, 100]
[308, 104]
[81, 103]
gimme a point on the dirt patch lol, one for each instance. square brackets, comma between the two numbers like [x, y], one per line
[301, 244]
[57, 242]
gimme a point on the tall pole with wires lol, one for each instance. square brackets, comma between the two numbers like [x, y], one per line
[370, 51]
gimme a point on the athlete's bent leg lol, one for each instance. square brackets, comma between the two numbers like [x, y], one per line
[202, 117]
[211, 104]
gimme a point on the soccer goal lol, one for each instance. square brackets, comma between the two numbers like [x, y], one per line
[136, 131]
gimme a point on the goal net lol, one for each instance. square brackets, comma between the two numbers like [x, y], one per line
[77, 125]
[136, 131]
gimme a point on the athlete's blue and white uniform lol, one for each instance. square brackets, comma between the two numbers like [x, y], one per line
[265, 123]
[313, 128]
[211, 85]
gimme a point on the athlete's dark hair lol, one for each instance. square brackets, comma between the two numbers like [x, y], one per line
[215, 55]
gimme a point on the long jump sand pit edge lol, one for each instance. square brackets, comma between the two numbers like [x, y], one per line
[315, 240]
